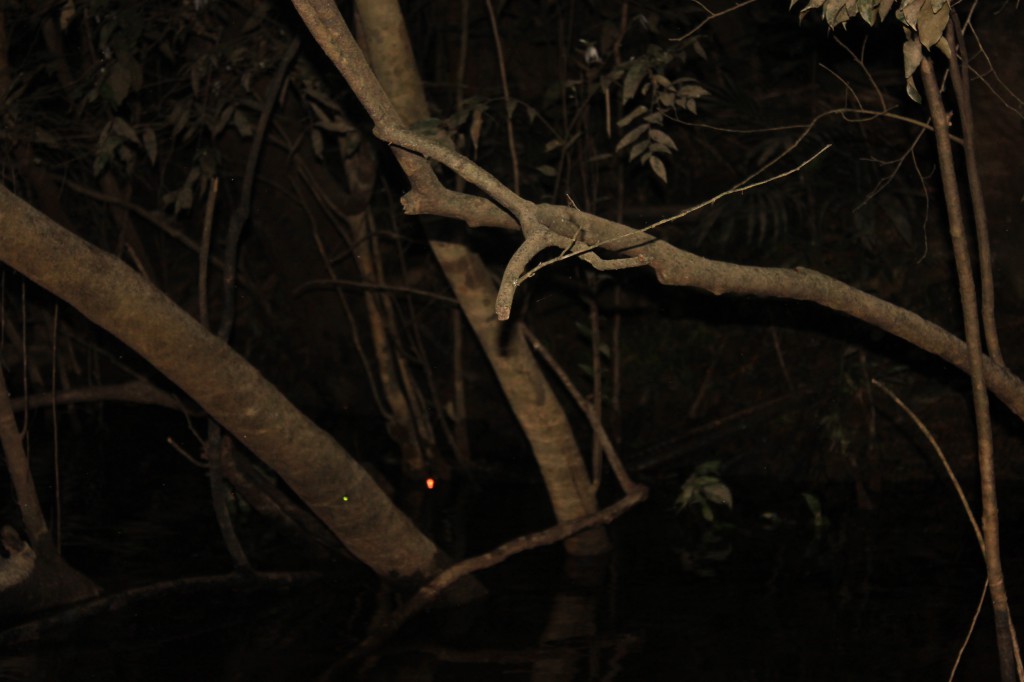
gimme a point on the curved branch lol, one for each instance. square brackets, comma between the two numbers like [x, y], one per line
[429, 592]
[514, 269]
[673, 266]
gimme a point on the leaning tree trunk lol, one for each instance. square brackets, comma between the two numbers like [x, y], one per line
[34, 576]
[231, 391]
[529, 394]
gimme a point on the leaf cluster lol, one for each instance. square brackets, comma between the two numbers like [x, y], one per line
[704, 490]
[924, 22]
[647, 83]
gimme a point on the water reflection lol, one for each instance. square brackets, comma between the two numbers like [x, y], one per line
[886, 596]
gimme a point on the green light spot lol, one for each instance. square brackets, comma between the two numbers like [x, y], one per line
[344, 498]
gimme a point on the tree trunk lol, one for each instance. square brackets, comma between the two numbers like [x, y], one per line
[233, 392]
[34, 577]
[529, 394]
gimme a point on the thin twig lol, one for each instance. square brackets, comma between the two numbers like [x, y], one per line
[204, 253]
[711, 16]
[942, 458]
[429, 592]
[374, 286]
[959, 73]
[738, 189]
[595, 424]
[512, 155]
[58, 511]
[240, 216]
[970, 631]
[979, 389]
[963, 501]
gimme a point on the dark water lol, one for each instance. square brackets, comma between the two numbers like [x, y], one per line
[882, 596]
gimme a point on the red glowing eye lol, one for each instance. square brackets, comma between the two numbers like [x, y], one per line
[430, 484]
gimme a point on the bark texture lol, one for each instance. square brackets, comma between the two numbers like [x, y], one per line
[233, 392]
[529, 394]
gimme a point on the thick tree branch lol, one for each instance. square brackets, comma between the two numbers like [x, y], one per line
[672, 265]
[334, 487]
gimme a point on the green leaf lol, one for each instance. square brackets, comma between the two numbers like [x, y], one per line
[222, 120]
[242, 123]
[709, 468]
[910, 11]
[638, 149]
[664, 138]
[118, 83]
[693, 90]
[127, 156]
[98, 164]
[685, 497]
[912, 92]
[184, 200]
[662, 80]
[631, 137]
[631, 116]
[912, 57]
[178, 117]
[655, 118]
[814, 506]
[634, 76]
[867, 11]
[316, 138]
[932, 24]
[658, 166]
[831, 11]
[531, 113]
[149, 144]
[718, 493]
[121, 127]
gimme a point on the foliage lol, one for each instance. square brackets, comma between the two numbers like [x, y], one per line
[716, 539]
[704, 490]
[153, 82]
[818, 519]
[633, 89]
[924, 22]
[644, 82]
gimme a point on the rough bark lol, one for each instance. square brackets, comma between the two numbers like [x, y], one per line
[233, 392]
[568, 228]
[530, 395]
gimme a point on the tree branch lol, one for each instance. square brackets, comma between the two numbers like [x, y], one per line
[672, 266]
